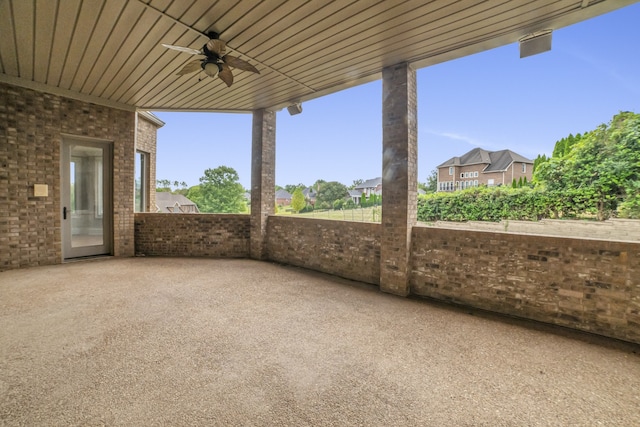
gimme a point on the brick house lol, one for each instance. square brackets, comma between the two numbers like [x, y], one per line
[370, 186]
[283, 198]
[174, 203]
[310, 195]
[481, 167]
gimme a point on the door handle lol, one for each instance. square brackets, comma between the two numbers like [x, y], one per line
[64, 212]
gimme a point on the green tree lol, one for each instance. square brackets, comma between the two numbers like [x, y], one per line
[319, 183]
[291, 188]
[564, 146]
[538, 161]
[331, 191]
[432, 183]
[163, 185]
[167, 186]
[219, 191]
[364, 201]
[297, 200]
[356, 182]
[599, 172]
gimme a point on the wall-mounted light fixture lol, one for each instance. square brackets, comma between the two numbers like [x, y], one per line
[535, 43]
[294, 109]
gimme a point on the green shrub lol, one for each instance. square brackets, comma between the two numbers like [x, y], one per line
[484, 204]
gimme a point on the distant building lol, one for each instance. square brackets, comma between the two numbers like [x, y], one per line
[356, 196]
[310, 195]
[174, 203]
[370, 186]
[482, 167]
[283, 198]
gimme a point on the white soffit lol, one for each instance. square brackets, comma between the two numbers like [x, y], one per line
[109, 51]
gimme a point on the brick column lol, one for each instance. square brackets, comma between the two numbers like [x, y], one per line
[263, 176]
[399, 176]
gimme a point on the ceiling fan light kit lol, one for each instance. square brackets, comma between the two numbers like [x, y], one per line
[210, 69]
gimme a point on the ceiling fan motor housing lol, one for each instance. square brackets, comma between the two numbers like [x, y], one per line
[210, 54]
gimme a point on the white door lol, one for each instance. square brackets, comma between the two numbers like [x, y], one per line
[86, 198]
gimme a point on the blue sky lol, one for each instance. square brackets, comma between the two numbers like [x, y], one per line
[493, 100]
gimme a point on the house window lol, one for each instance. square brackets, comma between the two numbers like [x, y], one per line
[475, 174]
[461, 175]
[141, 181]
[490, 182]
[524, 168]
[450, 170]
[475, 183]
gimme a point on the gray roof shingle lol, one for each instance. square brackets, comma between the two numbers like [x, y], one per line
[283, 194]
[166, 201]
[495, 160]
[370, 183]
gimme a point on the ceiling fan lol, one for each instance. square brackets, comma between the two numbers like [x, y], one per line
[216, 61]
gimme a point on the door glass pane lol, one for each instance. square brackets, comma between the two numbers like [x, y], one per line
[86, 191]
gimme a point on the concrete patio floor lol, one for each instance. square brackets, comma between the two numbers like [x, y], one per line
[157, 341]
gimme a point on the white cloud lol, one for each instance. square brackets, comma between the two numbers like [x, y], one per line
[464, 138]
[459, 137]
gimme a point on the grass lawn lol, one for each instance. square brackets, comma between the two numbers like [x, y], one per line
[361, 214]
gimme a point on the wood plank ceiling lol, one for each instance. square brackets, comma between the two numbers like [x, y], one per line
[109, 51]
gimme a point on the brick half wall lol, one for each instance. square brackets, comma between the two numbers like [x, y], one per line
[342, 248]
[192, 235]
[589, 285]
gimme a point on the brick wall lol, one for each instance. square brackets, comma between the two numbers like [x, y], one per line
[343, 248]
[583, 284]
[146, 142]
[627, 230]
[31, 124]
[195, 235]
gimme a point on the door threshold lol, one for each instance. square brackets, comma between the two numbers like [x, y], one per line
[86, 258]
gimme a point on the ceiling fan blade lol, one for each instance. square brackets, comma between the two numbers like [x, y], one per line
[190, 67]
[240, 64]
[226, 75]
[183, 49]
[217, 46]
